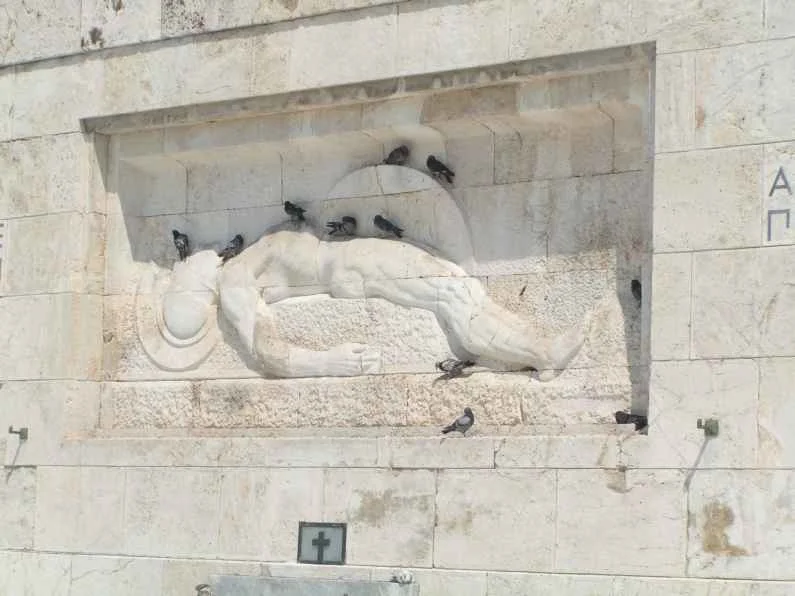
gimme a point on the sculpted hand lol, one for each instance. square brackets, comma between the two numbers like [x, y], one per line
[352, 359]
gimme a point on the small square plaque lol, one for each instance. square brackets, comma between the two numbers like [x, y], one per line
[322, 544]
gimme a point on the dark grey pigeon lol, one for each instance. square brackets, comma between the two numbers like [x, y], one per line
[398, 156]
[637, 290]
[462, 424]
[181, 243]
[295, 212]
[203, 590]
[439, 170]
[234, 248]
[387, 226]
[344, 227]
[638, 420]
[453, 368]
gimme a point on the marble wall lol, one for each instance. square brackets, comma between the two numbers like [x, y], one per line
[136, 482]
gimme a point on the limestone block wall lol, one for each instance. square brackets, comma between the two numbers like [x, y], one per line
[601, 511]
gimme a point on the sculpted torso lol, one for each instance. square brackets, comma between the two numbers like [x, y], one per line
[290, 263]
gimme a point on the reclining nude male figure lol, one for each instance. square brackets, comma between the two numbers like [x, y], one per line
[295, 261]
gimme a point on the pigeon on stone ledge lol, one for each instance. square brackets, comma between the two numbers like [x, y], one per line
[387, 226]
[181, 243]
[439, 170]
[398, 156]
[403, 578]
[637, 290]
[639, 421]
[234, 248]
[345, 227]
[462, 424]
[453, 368]
[203, 590]
[295, 212]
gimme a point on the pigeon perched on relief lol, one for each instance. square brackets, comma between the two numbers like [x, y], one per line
[439, 170]
[461, 424]
[637, 289]
[345, 227]
[387, 226]
[398, 156]
[234, 248]
[203, 590]
[639, 421]
[181, 243]
[403, 578]
[295, 212]
[454, 368]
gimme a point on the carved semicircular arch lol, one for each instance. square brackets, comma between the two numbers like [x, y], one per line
[427, 212]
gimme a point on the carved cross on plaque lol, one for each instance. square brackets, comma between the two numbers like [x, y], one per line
[321, 542]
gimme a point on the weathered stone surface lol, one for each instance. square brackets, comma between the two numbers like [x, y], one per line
[361, 401]
[18, 508]
[180, 573]
[738, 95]
[479, 513]
[538, 584]
[268, 586]
[37, 29]
[440, 582]
[670, 306]
[638, 515]
[682, 25]
[69, 260]
[741, 524]
[40, 336]
[682, 392]
[305, 570]
[117, 575]
[171, 512]
[636, 586]
[425, 47]
[438, 452]
[552, 144]
[115, 23]
[779, 20]
[494, 397]
[53, 411]
[260, 511]
[389, 514]
[247, 403]
[549, 28]
[470, 149]
[675, 115]
[740, 307]
[776, 447]
[723, 209]
[80, 509]
[601, 451]
[141, 405]
[35, 574]
[44, 175]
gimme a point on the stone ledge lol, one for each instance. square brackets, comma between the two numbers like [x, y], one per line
[586, 450]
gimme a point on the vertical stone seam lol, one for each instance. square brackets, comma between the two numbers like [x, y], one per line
[556, 472]
[690, 305]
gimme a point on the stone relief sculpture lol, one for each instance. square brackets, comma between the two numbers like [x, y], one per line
[298, 259]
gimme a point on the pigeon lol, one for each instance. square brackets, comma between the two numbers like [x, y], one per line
[636, 289]
[639, 421]
[462, 424]
[438, 169]
[345, 227]
[182, 244]
[453, 368]
[398, 156]
[234, 248]
[203, 590]
[295, 212]
[387, 226]
[403, 578]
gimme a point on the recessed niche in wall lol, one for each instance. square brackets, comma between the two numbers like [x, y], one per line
[549, 211]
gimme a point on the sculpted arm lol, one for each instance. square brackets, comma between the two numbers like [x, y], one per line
[258, 330]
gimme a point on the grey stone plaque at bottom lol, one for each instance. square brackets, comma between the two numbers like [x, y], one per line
[242, 585]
